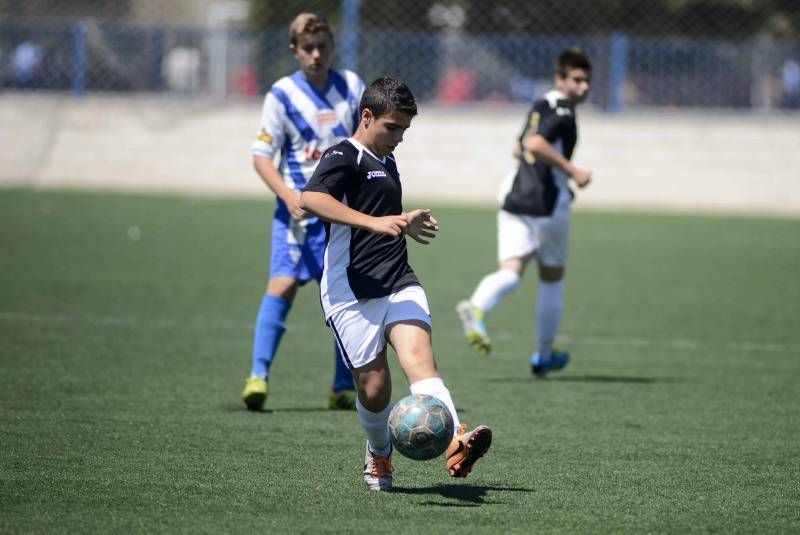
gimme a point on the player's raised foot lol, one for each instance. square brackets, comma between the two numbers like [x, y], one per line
[541, 367]
[377, 471]
[474, 329]
[344, 400]
[466, 448]
[255, 393]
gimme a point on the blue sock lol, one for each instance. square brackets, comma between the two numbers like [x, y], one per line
[342, 378]
[270, 327]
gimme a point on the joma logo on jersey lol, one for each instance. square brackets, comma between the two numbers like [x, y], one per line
[375, 174]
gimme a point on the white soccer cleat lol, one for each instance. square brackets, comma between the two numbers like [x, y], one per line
[377, 471]
[474, 330]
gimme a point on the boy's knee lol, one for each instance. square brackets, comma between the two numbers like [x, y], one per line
[374, 391]
[282, 286]
[373, 398]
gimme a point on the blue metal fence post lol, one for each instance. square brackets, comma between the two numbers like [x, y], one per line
[156, 79]
[350, 16]
[617, 72]
[79, 59]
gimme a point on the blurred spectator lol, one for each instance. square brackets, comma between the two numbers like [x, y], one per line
[181, 69]
[790, 76]
[246, 82]
[456, 86]
[26, 65]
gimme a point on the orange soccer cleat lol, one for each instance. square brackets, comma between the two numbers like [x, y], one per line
[466, 449]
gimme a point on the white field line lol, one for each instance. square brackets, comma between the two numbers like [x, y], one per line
[172, 323]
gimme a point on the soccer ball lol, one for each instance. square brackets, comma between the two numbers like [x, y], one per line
[421, 427]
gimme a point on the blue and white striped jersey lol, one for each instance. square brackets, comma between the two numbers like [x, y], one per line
[301, 122]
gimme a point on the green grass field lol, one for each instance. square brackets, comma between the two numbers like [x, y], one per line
[125, 336]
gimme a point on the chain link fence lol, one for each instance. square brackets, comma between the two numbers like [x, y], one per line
[736, 54]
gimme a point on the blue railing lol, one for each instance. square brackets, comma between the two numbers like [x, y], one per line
[628, 71]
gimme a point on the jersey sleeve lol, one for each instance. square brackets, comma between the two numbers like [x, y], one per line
[271, 131]
[551, 125]
[360, 86]
[334, 174]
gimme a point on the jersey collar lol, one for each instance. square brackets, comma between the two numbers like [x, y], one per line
[362, 148]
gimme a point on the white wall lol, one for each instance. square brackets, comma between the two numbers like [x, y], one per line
[667, 160]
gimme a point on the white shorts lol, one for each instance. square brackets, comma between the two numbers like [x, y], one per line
[548, 237]
[360, 328]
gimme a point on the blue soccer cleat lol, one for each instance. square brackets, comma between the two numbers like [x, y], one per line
[557, 361]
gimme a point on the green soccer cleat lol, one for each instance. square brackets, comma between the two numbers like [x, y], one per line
[474, 329]
[344, 400]
[255, 393]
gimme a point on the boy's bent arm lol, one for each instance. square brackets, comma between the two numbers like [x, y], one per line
[328, 208]
[273, 179]
[543, 150]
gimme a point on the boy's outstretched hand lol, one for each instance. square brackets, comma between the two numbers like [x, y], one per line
[582, 177]
[421, 224]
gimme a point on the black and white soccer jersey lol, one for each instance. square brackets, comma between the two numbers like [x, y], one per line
[536, 186]
[360, 264]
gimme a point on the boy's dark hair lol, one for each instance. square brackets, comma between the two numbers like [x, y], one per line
[310, 23]
[572, 58]
[386, 95]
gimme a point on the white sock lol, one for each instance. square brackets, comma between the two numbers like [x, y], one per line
[493, 287]
[548, 316]
[434, 386]
[376, 426]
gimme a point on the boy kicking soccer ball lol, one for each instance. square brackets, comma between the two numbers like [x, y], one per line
[369, 293]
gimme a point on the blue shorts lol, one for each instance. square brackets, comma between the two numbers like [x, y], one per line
[298, 247]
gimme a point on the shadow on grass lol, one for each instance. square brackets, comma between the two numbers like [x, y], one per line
[230, 407]
[466, 495]
[586, 379]
[607, 379]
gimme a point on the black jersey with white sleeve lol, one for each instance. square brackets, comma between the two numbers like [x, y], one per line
[360, 264]
[536, 186]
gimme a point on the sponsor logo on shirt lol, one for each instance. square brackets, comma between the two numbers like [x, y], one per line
[264, 137]
[327, 118]
[333, 153]
[314, 154]
[375, 174]
[563, 111]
